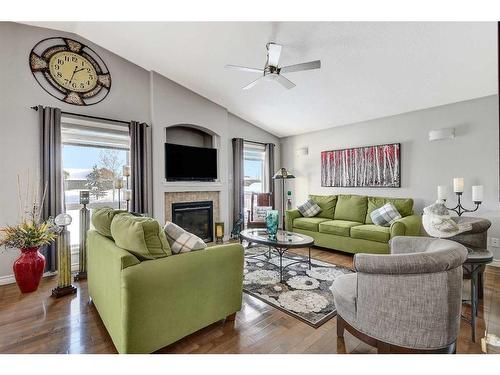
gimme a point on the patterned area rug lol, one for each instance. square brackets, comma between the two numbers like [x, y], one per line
[305, 294]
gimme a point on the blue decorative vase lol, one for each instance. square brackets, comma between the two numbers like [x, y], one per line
[272, 218]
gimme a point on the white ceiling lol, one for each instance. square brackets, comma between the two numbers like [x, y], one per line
[369, 69]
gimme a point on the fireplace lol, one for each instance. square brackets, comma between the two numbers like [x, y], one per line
[195, 217]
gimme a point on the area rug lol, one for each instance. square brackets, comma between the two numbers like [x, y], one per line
[305, 294]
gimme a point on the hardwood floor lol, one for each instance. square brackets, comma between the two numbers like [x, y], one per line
[37, 323]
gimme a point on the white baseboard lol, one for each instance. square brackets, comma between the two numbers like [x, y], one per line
[10, 279]
[495, 263]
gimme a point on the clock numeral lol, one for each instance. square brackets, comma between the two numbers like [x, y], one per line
[89, 70]
[74, 59]
[60, 61]
[66, 58]
[88, 83]
[73, 85]
[56, 67]
[59, 74]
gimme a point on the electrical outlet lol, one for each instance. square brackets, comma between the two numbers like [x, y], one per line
[495, 242]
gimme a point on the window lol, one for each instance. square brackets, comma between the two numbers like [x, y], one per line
[254, 156]
[93, 155]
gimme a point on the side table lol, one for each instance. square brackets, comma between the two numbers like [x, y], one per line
[473, 268]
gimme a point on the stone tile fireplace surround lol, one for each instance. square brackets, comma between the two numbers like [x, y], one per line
[192, 196]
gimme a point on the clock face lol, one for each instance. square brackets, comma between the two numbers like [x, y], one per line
[70, 71]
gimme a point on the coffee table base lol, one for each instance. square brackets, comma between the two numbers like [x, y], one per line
[281, 252]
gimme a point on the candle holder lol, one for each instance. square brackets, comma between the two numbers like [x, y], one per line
[84, 227]
[119, 187]
[127, 171]
[459, 209]
[64, 285]
[219, 232]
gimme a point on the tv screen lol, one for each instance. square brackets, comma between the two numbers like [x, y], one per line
[183, 163]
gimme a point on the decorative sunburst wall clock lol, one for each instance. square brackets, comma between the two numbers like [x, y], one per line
[70, 71]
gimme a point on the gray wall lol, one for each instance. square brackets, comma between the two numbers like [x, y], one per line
[19, 134]
[473, 154]
[136, 94]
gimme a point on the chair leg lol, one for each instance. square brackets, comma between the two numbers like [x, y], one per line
[383, 348]
[340, 326]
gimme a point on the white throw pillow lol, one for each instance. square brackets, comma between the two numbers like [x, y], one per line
[309, 209]
[260, 213]
[180, 240]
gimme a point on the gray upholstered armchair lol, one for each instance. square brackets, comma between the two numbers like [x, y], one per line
[408, 301]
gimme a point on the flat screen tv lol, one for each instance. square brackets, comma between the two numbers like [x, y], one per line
[188, 163]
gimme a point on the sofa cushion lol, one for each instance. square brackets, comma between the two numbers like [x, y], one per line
[351, 208]
[142, 236]
[309, 208]
[371, 232]
[338, 227]
[403, 205]
[102, 218]
[308, 223]
[326, 203]
[385, 215]
[182, 241]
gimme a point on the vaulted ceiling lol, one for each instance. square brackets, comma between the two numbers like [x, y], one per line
[369, 69]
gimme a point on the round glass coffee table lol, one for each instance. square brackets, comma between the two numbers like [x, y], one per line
[281, 244]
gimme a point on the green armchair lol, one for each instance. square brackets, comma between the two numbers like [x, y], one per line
[150, 304]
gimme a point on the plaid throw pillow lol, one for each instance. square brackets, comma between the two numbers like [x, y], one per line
[182, 241]
[385, 215]
[309, 209]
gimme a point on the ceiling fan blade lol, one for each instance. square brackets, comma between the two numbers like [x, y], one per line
[286, 83]
[244, 69]
[253, 83]
[303, 66]
[273, 54]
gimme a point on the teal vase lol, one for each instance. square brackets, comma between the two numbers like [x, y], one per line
[272, 218]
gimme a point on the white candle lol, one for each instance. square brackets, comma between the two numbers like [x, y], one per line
[458, 185]
[477, 193]
[127, 195]
[119, 183]
[442, 192]
[127, 170]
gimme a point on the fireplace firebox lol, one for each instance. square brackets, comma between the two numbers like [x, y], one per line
[195, 217]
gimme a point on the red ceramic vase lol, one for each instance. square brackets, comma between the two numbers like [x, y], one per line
[28, 269]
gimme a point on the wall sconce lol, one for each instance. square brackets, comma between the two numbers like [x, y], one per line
[219, 232]
[303, 151]
[441, 134]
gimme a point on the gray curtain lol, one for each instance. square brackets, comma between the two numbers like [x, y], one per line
[51, 175]
[269, 185]
[238, 177]
[141, 179]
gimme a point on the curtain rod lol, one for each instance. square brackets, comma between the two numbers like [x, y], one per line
[258, 143]
[88, 116]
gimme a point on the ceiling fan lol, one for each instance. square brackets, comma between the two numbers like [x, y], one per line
[272, 72]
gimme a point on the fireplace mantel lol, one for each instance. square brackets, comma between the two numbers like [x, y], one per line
[181, 186]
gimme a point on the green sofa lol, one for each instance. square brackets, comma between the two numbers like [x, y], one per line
[146, 305]
[344, 223]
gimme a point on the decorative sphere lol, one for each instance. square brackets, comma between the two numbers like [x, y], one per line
[63, 220]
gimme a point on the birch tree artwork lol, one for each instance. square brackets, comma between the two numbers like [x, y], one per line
[372, 166]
